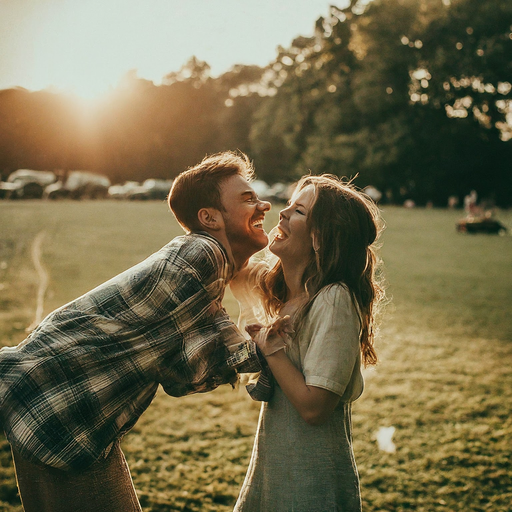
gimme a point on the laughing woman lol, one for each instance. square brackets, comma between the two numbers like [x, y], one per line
[324, 279]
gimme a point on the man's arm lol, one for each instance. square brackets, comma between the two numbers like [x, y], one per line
[246, 358]
[207, 336]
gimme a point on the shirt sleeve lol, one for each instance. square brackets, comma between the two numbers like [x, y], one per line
[250, 361]
[191, 292]
[209, 335]
[332, 359]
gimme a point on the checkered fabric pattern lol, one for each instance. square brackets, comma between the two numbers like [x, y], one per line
[84, 376]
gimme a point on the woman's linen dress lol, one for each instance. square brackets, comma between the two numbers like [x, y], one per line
[296, 467]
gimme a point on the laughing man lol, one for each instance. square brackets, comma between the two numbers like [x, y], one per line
[83, 377]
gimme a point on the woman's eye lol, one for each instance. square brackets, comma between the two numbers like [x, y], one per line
[300, 212]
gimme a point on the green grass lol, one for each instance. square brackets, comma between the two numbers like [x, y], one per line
[444, 380]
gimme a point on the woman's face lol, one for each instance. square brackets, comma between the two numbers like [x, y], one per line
[292, 237]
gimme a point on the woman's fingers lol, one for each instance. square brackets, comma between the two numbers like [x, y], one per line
[283, 326]
[252, 329]
[272, 338]
[269, 341]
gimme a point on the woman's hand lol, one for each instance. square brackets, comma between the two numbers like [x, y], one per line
[272, 338]
[315, 405]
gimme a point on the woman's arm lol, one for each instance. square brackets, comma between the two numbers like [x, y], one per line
[330, 357]
[314, 404]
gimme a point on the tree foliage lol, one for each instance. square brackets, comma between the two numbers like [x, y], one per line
[410, 95]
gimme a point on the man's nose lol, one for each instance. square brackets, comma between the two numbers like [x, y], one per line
[264, 205]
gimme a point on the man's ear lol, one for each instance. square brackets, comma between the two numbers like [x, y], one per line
[210, 219]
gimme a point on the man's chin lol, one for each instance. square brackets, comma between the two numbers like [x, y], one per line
[263, 242]
[252, 244]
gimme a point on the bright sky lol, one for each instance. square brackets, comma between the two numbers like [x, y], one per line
[85, 46]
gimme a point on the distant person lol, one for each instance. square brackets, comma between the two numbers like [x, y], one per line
[83, 377]
[470, 203]
[324, 279]
[453, 202]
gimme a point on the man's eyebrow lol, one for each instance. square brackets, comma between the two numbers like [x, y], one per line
[248, 193]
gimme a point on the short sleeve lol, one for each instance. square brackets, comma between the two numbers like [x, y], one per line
[330, 344]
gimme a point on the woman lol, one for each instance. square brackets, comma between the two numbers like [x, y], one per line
[325, 281]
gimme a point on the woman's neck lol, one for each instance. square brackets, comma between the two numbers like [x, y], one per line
[293, 279]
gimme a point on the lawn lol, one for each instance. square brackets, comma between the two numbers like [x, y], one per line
[444, 380]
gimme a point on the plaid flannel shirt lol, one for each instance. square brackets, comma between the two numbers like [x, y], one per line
[84, 376]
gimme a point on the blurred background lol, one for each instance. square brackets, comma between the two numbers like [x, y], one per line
[413, 97]
[104, 102]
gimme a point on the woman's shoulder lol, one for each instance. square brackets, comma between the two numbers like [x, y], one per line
[333, 301]
[335, 294]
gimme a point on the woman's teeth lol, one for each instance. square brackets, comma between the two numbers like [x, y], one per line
[280, 235]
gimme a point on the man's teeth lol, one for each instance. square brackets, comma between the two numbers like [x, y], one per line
[258, 224]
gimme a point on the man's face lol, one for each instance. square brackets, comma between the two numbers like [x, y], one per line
[243, 216]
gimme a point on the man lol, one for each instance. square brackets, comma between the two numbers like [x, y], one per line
[84, 376]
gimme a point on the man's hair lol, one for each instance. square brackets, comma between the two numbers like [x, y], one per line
[199, 186]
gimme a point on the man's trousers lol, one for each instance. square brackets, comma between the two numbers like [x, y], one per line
[106, 486]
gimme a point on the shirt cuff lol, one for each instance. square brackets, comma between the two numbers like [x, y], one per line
[246, 359]
[263, 389]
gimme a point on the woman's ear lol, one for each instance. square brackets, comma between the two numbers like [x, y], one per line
[314, 241]
[210, 219]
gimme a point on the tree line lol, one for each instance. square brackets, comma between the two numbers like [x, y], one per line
[411, 96]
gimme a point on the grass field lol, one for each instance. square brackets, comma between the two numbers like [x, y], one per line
[444, 380]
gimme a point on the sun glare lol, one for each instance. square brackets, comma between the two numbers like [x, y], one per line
[82, 49]
[86, 46]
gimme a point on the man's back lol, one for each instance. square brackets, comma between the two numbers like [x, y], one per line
[88, 371]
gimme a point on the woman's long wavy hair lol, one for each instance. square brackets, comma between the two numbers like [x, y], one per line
[346, 225]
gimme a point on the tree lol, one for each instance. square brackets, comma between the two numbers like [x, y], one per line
[382, 91]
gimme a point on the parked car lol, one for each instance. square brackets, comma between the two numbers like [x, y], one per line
[150, 189]
[280, 192]
[139, 193]
[87, 185]
[79, 185]
[12, 190]
[120, 191]
[26, 184]
[157, 189]
[260, 187]
[55, 190]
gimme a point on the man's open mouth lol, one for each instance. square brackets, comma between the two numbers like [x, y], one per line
[258, 224]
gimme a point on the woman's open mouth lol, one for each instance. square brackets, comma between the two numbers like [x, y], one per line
[280, 234]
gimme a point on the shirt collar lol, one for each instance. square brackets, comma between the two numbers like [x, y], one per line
[229, 262]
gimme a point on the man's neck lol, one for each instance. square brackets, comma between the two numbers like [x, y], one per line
[238, 260]
[240, 257]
